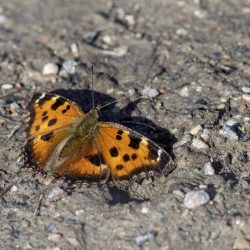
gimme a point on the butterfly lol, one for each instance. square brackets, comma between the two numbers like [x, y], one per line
[65, 142]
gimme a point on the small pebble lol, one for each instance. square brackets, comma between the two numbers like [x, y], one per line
[107, 39]
[227, 69]
[3, 19]
[229, 133]
[90, 37]
[246, 97]
[199, 144]
[241, 244]
[14, 109]
[196, 130]
[150, 92]
[117, 52]
[70, 66]
[54, 237]
[184, 92]
[55, 194]
[130, 20]
[13, 189]
[7, 86]
[140, 240]
[208, 169]
[144, 210]
[205, 135]
[246, 90]
[50, 69]
[74, 49]
[181, 32]
[194, 199]
[233, 122]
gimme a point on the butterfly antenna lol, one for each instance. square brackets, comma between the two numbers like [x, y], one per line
[92, 86]
[132, 93]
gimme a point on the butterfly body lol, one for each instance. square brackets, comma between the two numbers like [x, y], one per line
[65, 142]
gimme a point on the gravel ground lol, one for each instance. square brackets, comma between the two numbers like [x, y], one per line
[190, 59]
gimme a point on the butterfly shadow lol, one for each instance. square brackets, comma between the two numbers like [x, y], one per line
[111, 113]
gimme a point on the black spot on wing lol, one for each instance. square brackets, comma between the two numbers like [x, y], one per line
[113, 152]
[134, 156]
[59, 102]
[45, 118]
[52, 122]
[46, 137]
[96, 159]
[134, 142]
[37, 127]
[118, 137]
[119, 167]
[126, 158]
[45, 113]
[119, 132]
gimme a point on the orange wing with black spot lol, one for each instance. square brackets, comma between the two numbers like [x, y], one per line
[52, 146]
[130, 155]
[51, 120]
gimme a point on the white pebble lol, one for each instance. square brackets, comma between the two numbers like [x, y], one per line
[13, 189]
[228, 132]
[74, 49]
[208, 169]
[205, 135]
[70, 66]
[181, 32]
[54, 237]
[246, 97]
[50, 69]
[184, 92]
[246, 90]
[194, 199]
[144, 210]
[196, 130]
[3, 19]
[107, 39]
[117, 52]
[150, 92]
[7, 86]
[199, 144]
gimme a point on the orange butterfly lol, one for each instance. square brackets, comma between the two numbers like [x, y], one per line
[63, 141]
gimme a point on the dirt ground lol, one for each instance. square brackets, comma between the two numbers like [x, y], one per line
[191, 61]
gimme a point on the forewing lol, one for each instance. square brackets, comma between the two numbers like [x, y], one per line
[52, 118]
[49, 112]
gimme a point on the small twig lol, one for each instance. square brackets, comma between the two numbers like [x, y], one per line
[5, 190]
[38, 209]
[13, 131]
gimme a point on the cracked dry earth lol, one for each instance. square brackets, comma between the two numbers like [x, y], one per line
[190, 59]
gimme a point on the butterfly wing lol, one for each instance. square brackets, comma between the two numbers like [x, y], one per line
[52, 118]
[130, 155]
[83, 163]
